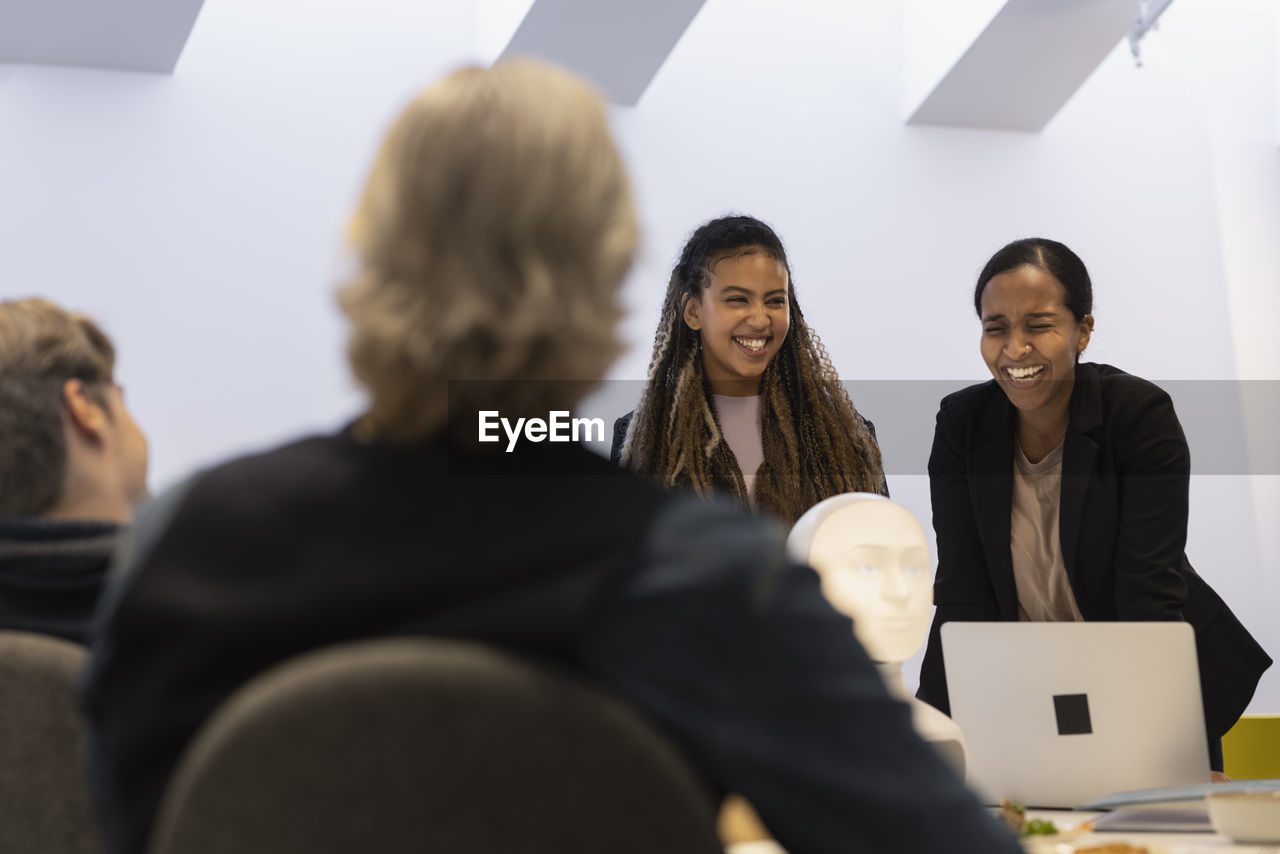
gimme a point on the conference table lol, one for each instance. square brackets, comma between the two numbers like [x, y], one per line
[1155, 843]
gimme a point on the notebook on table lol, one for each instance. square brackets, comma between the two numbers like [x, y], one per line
[1062, 714]
[1176, 809]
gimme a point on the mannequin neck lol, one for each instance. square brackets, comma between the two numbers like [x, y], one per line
[891, 673]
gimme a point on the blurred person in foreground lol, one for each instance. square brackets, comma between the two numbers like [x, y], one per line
[493, 236]
[72, 464]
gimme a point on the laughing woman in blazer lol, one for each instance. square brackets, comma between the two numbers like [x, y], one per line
[1060, 488]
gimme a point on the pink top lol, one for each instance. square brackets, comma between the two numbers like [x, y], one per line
[740, 422]
[1044, 590]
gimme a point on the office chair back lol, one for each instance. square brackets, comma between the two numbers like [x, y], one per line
[44, 799]
[416, 745]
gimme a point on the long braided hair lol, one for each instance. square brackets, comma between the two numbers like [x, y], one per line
[815, 443]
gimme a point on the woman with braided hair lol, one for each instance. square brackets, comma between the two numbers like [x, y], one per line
[741, 396]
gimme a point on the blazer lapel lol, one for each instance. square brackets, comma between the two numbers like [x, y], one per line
[1079, 456]
[991, 486]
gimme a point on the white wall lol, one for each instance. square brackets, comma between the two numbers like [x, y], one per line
[200, 215]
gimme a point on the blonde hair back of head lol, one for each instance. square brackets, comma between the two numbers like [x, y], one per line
[492, 239]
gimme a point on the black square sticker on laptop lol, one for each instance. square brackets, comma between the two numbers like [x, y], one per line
[1073, 714]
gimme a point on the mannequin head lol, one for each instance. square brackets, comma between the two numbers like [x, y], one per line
[874, 563]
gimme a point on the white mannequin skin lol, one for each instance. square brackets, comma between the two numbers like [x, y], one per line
[106, 471]
[874, 566]
[873, 559]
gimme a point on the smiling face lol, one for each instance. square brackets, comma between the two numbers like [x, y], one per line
[742, 316]
[1030, 341]
[874, 564]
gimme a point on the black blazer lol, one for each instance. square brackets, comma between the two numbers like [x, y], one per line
[1122, 522]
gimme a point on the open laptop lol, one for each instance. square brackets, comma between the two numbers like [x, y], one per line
[1062, 714]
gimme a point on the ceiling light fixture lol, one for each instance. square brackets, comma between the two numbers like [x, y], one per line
[1148, 17]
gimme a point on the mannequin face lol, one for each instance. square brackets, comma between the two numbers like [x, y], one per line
[874, 563]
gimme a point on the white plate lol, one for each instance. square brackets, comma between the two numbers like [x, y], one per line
[1246, 816]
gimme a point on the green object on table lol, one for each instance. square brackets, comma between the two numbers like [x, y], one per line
[1038, 827]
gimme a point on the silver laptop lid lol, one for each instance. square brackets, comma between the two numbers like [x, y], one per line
[1061, 714]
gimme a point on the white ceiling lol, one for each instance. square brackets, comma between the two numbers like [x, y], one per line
[1014, 70]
